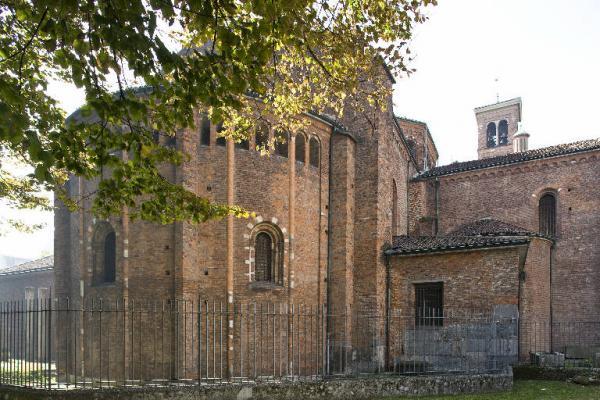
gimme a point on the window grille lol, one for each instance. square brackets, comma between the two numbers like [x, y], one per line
[263, 257]
[429, 304]
[547, 215]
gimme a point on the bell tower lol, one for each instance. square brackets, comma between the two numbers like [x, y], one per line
[496, 125]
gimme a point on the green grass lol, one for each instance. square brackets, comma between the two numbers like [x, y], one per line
[532, 390]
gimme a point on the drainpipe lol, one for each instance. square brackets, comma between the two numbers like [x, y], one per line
[436, 226]
[387, 310]
[329, 245]
[407, 197]
[307, 163]
[230, 226]
[551, 298]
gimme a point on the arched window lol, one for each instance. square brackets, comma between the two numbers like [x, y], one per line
[221, 141]
[156, 136]
[171, 141]
[268, 254]
[110, 257]
[394, 208]
[300, 146]
[243, 144]
[491, 134]
[264, 257]
[547, 214]
[314, 151]
[281, 143]
[262, 136]
[205, 131]
[503, 132]
[104, 254]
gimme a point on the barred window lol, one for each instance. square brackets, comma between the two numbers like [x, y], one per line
[300, 147]
[547, 214]
[491, 134]
[281, 144]
[503, 132]
[429, 304]
[268, 254]
[264, 257]
[314, 151]
[205, 131]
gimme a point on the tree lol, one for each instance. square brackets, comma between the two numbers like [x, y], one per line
[243, 60]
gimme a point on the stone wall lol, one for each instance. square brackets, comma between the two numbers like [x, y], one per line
[368, 388]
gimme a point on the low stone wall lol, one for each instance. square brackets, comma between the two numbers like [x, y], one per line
[358, 388]
[532, 372]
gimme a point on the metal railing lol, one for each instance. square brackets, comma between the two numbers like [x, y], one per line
[97, 343]
[561, 344]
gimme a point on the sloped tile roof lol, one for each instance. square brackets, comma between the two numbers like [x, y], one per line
[490, 227]
[427, 244]
[486, 232]
[513, 158]
[41, 264]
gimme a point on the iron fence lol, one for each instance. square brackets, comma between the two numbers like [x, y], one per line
[561, 344]
[97, 343]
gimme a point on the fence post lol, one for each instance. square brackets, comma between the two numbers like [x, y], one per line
[49, 361]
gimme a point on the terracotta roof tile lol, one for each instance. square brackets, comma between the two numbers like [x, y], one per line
[42, 264]
[490, 227]
[513, 158]
[427, 244]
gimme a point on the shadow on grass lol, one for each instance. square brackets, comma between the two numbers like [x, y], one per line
[531, 390]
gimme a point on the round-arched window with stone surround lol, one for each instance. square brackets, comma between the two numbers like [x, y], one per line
[104, 251]
[268, 243]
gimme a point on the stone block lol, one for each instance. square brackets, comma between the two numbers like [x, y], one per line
[548, 360]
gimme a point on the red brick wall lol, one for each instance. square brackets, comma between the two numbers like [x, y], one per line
[511, 193]
[473, 280]
[511, 114]
[535, 307]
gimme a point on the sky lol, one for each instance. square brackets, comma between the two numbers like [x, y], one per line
[545, 51]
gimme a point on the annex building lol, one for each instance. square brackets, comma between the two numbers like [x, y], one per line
[355, 215]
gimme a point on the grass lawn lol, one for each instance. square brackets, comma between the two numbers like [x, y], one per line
[532, 390]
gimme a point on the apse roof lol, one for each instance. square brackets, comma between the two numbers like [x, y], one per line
[428, 244]
[483, 233]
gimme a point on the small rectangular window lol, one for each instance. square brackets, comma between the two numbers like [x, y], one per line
[429, 304]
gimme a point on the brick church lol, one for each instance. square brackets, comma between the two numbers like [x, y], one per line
[355, 215]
